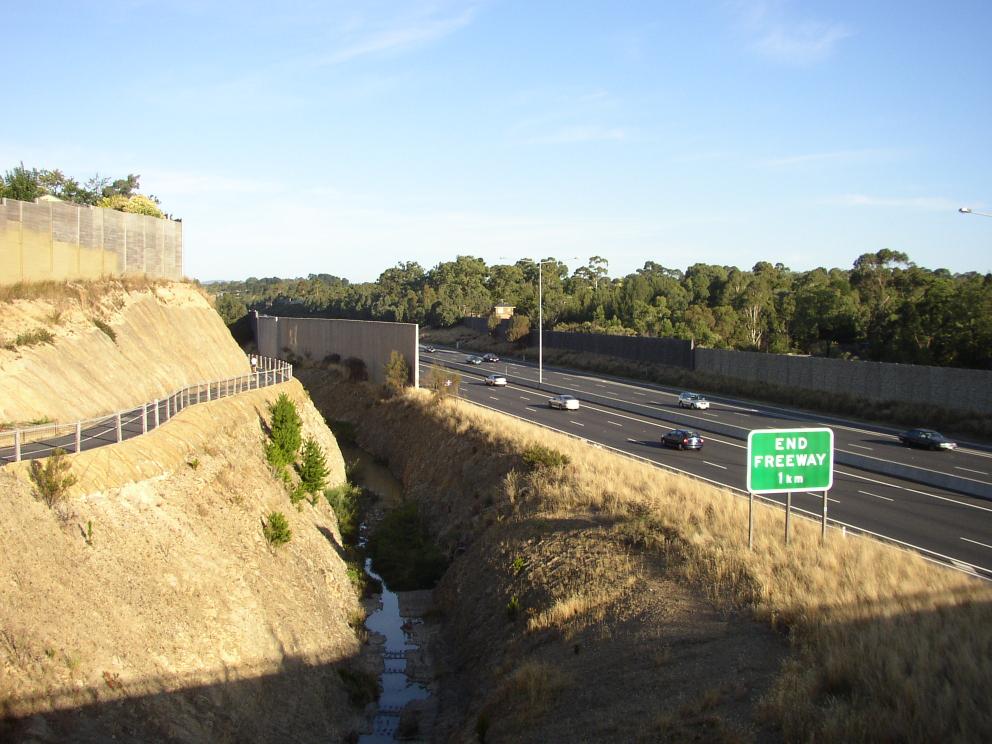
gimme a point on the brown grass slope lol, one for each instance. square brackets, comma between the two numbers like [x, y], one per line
[612, 601]
[176, 619]
[167, 335]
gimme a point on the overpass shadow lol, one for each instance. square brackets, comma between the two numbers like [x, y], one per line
[298, 701]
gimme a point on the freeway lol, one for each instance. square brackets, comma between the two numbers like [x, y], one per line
[947, 525]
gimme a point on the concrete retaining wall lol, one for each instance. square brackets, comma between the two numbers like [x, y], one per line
[371, 341]
[671, 351]
[959, 389]
[54, 241]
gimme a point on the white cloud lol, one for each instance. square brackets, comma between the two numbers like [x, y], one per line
[927, 203]
[401, 34]
[820, 157]
[776, 34]
[575, 134]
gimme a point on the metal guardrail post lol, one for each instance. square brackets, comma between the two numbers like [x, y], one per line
[117, 424]
[17, 446]
[156, 412]
[258, 380]
[144, 418]
[167, 398]
[208, 392]
[79, 437]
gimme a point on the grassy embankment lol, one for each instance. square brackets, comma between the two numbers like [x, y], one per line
[903, 414]
[881, 644]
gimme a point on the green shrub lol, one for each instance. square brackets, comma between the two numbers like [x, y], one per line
[313, 467]
[362, 686]
[513, 607]
[52, 480]
[111, 333]
[276, 529]
[344, 431]
[344, 502]
[539, 456]
[397, 373]
[403, 553]
[31, 338]
[518, 565]
[284, 432]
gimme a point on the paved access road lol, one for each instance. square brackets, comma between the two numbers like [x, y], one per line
[952, 526]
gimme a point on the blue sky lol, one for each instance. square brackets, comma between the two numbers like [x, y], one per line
[342, 138]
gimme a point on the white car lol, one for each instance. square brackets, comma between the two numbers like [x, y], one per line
[472, 359]
[496, 380]
[567, 402]
[693, 400]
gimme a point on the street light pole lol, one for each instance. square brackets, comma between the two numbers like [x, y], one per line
[969, 210]
[540, 324]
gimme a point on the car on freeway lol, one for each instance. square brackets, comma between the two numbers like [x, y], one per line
[682, 439]
[565, 402]
[472, 359]
[496, 380]
[490, 357]
[693, 400]
[429, 349]
[927, 439]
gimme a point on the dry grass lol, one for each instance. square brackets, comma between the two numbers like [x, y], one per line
[885, 645]
[531, 688]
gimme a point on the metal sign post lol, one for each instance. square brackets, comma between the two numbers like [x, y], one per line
[787, 460]
[823, 523]
[750, 521]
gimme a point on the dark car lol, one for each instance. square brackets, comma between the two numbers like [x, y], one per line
[682, 439]
[490, 358]
[927, 439]
[472, 359]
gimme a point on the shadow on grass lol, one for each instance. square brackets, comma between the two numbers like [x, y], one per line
[299, 701]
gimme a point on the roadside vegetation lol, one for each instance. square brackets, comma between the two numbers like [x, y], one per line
[878, 644]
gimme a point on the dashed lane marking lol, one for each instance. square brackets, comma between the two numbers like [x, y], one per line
[860, 446]
[977, 543]
[614, 423]
[575, 422]
[877, 496]
[722, 467]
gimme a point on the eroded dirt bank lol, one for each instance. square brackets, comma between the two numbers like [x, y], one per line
[557, 624]
[175, 618]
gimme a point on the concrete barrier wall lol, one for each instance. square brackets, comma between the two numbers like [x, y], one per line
[959, 389]
[371, 341]
[54, 241]
[671, 351]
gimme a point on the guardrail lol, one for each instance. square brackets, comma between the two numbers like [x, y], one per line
[41, 440]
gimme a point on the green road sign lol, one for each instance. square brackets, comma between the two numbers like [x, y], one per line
[780, 460]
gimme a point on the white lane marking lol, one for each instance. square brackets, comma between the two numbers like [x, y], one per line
[632, 440]
[819, 495]
[977, 543]
[613, 422]
[523, 397]
[913, 490]
[575, 422]
[639, 393]
[859, 446]
[877, 496]
[969, 470]
[598, 385]
[722, 467]
[493, 397]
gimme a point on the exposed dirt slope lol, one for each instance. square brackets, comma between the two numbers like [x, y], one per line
[167, 336]
[178, 620]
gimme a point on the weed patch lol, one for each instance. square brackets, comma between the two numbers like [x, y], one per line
[105, 327]
[276, 529]
[52, 480]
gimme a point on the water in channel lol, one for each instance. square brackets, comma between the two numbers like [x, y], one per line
[397, 687]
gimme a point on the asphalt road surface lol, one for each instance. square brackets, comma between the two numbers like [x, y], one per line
[943, 524]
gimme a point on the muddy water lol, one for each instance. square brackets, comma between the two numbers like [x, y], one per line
[391, 632]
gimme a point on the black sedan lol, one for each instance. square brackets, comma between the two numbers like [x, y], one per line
[927, 439]
[682, 439]
[490, 358]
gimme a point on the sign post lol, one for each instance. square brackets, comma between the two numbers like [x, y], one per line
[787, 460]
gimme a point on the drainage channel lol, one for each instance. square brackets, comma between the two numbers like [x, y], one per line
[394, 626]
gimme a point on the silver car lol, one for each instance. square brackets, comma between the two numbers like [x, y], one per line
[566, 402]
[693, 400]
[471, 359]
[496, 380]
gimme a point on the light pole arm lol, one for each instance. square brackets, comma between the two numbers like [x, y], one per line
[969, 210]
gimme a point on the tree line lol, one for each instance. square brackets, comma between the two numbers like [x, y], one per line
[28, 184]
[885, 308]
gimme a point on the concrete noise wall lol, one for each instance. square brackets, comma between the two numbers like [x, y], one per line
[950, 387]
[671, 351]
[54, 241]
[371, 341]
